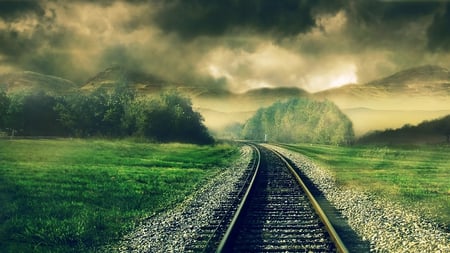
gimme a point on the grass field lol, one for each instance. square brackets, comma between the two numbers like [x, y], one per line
[77, 195]
[417, 177]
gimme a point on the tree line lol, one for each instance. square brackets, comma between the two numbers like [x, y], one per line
[118, 113]
[427, 132]
[300, 120]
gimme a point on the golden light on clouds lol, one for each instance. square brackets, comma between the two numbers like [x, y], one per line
[311, 45]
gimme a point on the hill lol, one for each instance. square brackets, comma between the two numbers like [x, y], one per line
[118, 75]
[300, 120]
[426, 77]
[404, 90]
[427, 132]
[408, 96]
[33, 82]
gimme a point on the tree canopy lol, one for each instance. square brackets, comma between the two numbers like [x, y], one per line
[300, 120]
[118, 113]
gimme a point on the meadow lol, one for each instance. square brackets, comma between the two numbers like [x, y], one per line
[418, 177]
[66, 195]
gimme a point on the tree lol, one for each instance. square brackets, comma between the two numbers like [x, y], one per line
[171, 118]
[39, 116]
[14, 121]
[4, 105]
[300, 120]
[443, 127]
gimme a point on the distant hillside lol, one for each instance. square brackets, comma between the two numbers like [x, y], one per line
[28, 81]
[117, 75]
[225, 101]
[413, 78]
[427, 132]
[300, 120]
[409, 89]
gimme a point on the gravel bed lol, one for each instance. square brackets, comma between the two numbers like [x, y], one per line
[171, 231]
[386, 225]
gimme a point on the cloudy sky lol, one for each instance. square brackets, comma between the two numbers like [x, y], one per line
[234, 44]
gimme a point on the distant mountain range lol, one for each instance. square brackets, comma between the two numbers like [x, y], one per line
[408, 96]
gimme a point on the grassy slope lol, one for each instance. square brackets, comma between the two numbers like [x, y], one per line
[77, 195]
[414, 176]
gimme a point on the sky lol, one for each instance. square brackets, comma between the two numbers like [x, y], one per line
[236, 45]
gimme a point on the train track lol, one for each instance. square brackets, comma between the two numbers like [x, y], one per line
[271, 210]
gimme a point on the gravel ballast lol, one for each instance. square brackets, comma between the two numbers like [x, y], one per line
[386, 225]
[173, 230]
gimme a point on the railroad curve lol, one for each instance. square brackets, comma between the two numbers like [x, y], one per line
[279, 214]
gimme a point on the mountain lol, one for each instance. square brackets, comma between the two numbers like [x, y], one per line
[408, 96]
[407, 89]
[117, 75]
[418, 78]
[221, 105]
[28, 81]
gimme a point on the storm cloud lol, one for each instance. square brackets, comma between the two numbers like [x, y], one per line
[236, 44]
[190, 19]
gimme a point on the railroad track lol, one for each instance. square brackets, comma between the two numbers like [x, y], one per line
[271, 210]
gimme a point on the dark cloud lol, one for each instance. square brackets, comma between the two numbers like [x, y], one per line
[381, 22]
[375, 13]
[12, 9]
[438, 32]
[195, 18]
[235, 43]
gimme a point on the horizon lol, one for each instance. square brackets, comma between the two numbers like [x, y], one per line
[80, 84]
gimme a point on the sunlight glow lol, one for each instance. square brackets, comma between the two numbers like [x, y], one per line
[343, 79]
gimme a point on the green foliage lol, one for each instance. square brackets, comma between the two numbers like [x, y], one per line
[427, 132]
[415, 176]
[300, 120]
[57, 196]
[101, 113]
[171, 118]
[4, 105]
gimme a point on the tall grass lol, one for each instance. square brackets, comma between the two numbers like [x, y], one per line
[78, 195]
[416, 176]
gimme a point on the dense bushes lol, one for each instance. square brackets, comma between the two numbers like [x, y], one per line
[300, 120]
[119, 113]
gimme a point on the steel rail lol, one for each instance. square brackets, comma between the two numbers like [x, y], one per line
[328, 226]
[225, 240]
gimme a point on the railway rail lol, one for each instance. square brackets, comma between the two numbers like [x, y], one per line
[271, 210]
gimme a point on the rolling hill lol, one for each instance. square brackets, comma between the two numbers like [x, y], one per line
[117, 75]
[409, 96]
[426, 87]
[28, 81]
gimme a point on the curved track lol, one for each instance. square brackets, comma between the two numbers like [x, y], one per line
[279, 215]
[271, 210]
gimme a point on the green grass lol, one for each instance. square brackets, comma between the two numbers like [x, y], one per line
[417, 177]
[78, 195]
